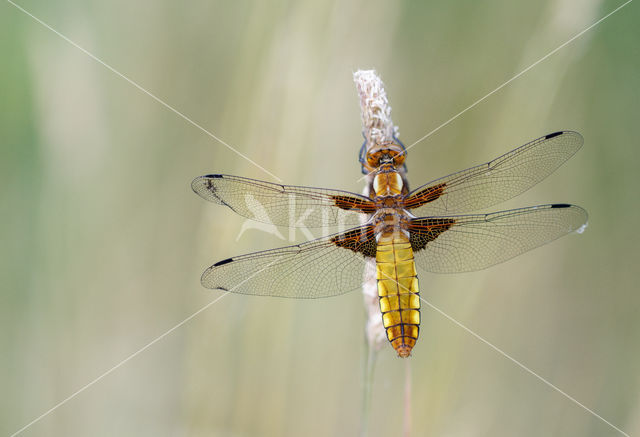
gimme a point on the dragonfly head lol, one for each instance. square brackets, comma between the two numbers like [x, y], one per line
[389, 154]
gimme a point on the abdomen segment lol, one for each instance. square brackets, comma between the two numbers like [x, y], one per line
[398, 291]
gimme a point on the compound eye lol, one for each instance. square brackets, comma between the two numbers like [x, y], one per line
[373, 159]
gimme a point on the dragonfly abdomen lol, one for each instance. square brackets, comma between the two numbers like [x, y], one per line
[398, 291]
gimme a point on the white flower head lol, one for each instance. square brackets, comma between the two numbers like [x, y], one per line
[377, 125]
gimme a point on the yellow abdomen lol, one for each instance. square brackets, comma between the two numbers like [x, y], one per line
[398, 291]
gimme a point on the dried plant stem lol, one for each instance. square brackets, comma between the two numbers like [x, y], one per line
[377, 128]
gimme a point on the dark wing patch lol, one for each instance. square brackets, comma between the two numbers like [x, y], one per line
[361, 240]
[351, 203]
[424, 195]
[284, 205]
[423, 231]
[324, 267]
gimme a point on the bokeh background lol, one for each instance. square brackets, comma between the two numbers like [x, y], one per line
[103, 242]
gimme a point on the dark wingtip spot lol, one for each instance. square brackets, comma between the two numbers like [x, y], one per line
[213, 176]
[561, 205]
[223, 262]
[222, 288]
[555, 134]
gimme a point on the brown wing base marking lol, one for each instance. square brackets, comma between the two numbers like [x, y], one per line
[422, 231]
[425, 195]
[352, 203]
[361, 240]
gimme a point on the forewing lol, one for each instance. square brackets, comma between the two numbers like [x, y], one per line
[497, 180]
[324, 267]
[283, 205]
[473, 242]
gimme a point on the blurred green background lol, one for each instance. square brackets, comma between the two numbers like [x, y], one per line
[103, 241]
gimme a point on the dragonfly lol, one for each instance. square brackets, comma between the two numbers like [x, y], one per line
[394, 229]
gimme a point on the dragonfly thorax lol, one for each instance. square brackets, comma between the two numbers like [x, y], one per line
[387, 182]
[390, 220]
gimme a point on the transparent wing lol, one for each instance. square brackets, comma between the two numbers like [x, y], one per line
[324, 267]
[473, 242]
[495, 181]
[283, 205]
